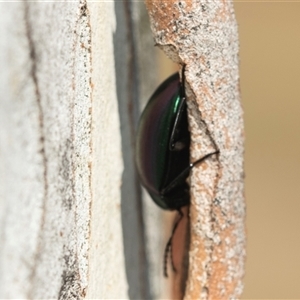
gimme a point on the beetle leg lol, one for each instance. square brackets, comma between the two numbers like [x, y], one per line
[168, 248]
[180, 178]
[166, 254]
[204, 158]
[183, 175]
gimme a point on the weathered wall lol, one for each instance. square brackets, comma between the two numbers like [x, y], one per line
[202, 36]
[60, 153]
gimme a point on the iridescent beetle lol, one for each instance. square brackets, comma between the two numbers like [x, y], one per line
[162, 149]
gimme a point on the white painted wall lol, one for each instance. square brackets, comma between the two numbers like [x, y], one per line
[60, 153]
[106, 262]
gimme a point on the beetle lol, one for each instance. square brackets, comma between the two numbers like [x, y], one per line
[162, 148]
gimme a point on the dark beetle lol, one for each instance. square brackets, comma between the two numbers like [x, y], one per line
[162, 148]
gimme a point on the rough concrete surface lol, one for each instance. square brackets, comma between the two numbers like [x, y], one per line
[202, 35]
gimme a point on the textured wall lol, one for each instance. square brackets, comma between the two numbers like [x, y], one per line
[60, 154]
[202, 36]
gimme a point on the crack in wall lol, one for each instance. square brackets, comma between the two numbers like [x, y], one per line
[33, 75]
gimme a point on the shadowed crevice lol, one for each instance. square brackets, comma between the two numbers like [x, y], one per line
[131, 205]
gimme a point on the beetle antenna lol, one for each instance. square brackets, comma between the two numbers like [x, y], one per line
[168, 248]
